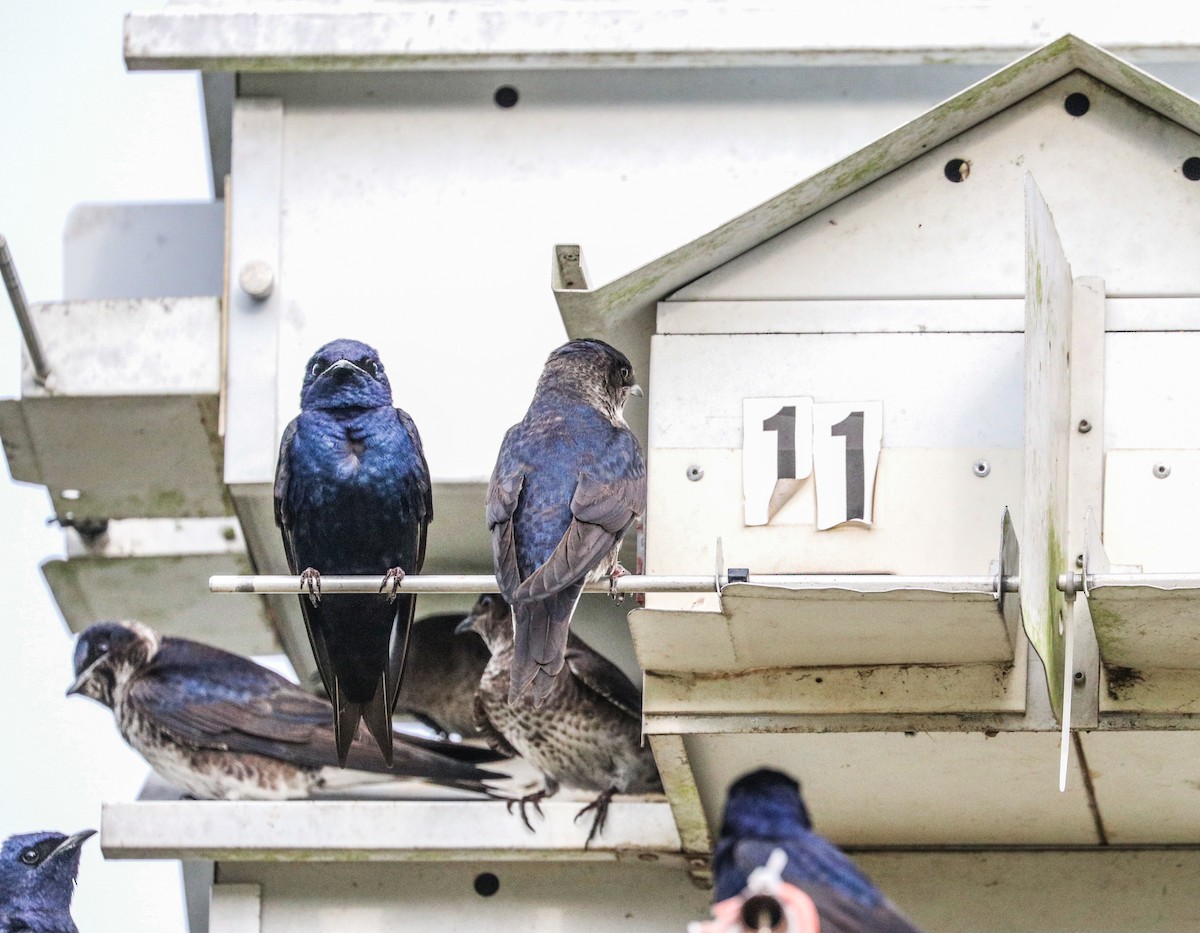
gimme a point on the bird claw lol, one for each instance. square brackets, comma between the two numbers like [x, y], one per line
[614, 575]
[310, 580]
[533, 800]
[391, 582]
[600, 805]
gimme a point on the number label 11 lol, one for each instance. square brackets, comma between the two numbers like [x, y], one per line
[784, 439]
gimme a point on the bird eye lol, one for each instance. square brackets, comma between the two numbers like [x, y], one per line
[377, 368]
[102, 646]
[316, 368]
[29, 856]
[624, 372]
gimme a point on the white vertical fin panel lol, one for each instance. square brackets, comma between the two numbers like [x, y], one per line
[1048, 288]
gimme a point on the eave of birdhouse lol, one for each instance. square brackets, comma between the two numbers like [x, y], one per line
[622, 311]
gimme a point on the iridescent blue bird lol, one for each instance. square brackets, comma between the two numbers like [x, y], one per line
[569, 480]
[220, 726]
[37, 881]
[764, 812]
[353, 496]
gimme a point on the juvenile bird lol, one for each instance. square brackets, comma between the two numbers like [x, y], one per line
[588, 732]
[220, 726]
[568, 482]
[764, 812]
[353, 496]
[37, 881]
[443, 672]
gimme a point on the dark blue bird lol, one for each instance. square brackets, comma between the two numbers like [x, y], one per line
[353, 496]
[37, 881]
[764, 812]
[220, 726]
[569, 480]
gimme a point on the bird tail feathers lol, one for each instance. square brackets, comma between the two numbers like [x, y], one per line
[540, 642]
[377, 715]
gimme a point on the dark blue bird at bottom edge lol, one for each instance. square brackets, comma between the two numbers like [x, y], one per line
[37, 881]
[764, 812]
[353, 496]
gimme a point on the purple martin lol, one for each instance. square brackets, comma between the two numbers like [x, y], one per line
[764, 812]
[37, 881]
[219, 726]
[588, 732]
[353, 496]
[442, 674]
[568, 482]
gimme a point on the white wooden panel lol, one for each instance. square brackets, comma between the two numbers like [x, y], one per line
[615, 897]
[1151, 395]
[833, 691]
[766, 626]
[914, 234]
[1145, 784]
[950, 315]
[1151, 521]
[1093, 890]
[390, 830]
[1048, 296]
[699, 383]
[933, 515]
[896, 789]
[235, 908]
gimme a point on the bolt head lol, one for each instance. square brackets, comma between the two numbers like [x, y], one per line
[257, 280]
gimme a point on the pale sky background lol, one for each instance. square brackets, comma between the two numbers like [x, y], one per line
[74, 126]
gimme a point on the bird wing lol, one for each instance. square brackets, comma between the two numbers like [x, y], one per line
[489, 733]
[208, 698]
[842, 914]
[282, 477]
[601, 510]
[603, 677]
[504, 492]
[402, 627]
[283, 519]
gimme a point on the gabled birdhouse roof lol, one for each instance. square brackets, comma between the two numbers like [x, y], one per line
[622, 311]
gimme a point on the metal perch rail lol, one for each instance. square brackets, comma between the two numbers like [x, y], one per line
[631, 583]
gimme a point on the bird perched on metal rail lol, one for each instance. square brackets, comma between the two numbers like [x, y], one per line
[443, 672]
[764, 812]
[37, 881]
[220, 726]
[353, 496]
[568, 482]
[588, 732]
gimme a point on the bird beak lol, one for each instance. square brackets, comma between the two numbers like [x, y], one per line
[83, 677]
[636, 389]
[464, 626]
[71, 843]
[345, 364]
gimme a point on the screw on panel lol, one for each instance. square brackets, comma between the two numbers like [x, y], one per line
[981, 468]
[1080, 678]
[1191, 168]
[1161, 471]
[486, 884]
[695, 473]
[1084, 426]
[506, 96]
[257, 280]
[1079, 561]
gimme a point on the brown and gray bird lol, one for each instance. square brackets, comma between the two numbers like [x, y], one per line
[442, 674]
[588, 732]
[569, 480]
[219, 726]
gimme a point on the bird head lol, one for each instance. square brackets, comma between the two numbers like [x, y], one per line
[491, 619]
[345, 374]
[764, 803]
[37, 870]
[592, 369]
[107, 654]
